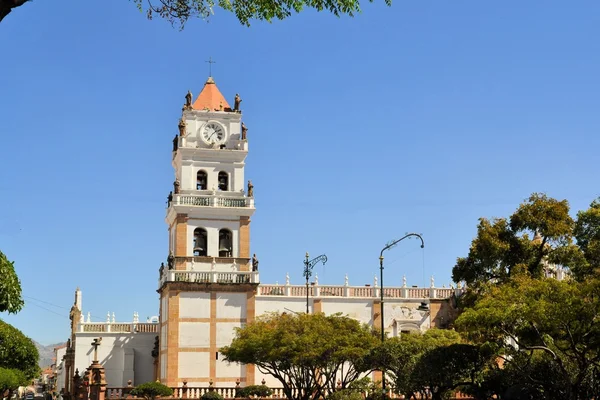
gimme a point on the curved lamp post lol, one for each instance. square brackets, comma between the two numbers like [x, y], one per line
[308, 266]
[387, 247]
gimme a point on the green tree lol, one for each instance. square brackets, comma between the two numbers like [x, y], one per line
[538, 233]
[151, 390]
[306, 353]
[11, 379]
[587, 233]
[398, 356]
[544, 320]
[443, 369]
[17, 351]
[177, 12]
[11, 299]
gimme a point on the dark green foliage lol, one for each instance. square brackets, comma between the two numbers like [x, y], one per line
[152, 390]
[306, 353]
[10, 287]
[212, 395]
[254, 390]
[17, 351]
[345, 394]
[179, 11]
[11, 379]
[505, 247]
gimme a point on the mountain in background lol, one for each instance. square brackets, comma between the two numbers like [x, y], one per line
[46, 353]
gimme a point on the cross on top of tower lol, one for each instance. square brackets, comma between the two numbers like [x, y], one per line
[210, 63]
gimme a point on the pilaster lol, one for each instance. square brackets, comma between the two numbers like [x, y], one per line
[250, 316]
[244, 237]
[172, 338]
[181, 238]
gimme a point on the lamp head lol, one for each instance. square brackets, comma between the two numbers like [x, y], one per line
[422, 245]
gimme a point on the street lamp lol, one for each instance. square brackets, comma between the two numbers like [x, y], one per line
[387, 247]
[308, 266]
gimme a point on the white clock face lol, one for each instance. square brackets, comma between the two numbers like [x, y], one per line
[213, 133]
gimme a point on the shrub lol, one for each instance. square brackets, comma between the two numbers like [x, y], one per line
[345, 394]
[254, 390]
[151, 390]
[212, 395]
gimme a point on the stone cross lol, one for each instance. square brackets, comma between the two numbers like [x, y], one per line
[95, 345]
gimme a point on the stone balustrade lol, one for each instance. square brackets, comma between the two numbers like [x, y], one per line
[208, 198]
[229, 393]
[233, 277]
[118, 327]
[316, 290]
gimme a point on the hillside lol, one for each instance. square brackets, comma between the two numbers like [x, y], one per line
[46, 353]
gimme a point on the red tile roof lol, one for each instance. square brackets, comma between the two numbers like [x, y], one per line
[210, 97]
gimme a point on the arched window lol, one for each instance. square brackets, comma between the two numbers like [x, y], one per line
[200, 242]
[201, 180]
[223, 181]
[225, 243]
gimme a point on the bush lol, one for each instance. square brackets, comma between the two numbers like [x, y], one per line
[151, 390]
[345, 394]
[254, 390]
[11, 379]
[212, 395]
[17, 351]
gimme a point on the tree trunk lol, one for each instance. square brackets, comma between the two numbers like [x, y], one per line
[6, 6]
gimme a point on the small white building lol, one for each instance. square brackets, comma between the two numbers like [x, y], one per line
[125, 348]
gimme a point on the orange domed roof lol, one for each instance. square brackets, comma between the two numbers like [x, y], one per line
[211, 98]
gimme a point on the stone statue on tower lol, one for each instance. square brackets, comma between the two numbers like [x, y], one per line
[236, 103]
[188, 101]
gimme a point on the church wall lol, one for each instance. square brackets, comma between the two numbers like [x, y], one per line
[120, 354]
[279, 304]
[359, 309]
[194, 305]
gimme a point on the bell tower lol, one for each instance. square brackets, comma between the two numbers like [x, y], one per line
[207, 288]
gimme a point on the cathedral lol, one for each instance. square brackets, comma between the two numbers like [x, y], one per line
[210, 284]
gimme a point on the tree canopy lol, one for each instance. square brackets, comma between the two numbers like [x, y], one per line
[540, 233]
[306, 353]
[11, 299]
[545, 322]
[178, 12]
[17, 351]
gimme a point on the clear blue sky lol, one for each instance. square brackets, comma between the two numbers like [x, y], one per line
[420, 117]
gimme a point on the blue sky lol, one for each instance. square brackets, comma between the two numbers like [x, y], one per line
[420, 117]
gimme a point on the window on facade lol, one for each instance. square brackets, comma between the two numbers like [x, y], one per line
[225, 241]
[223, 181]
[200, 242]
[201, 180]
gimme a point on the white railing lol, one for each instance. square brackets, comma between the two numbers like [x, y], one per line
[235, 277]
[316, 290]
[118, 327]
[214, 199]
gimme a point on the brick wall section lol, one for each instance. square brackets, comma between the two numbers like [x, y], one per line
[442, 313]
[173, 338]
[317, 306]
[213, 336]
[245, 237]
[250, 315]
[181, 235]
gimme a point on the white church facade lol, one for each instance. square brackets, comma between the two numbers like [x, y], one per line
[210, 284]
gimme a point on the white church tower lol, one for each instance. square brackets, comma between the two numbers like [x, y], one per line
[208, 285]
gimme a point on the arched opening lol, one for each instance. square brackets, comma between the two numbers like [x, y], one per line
[200, 242]
[223, 181]
[225, 243]
[201, 180]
